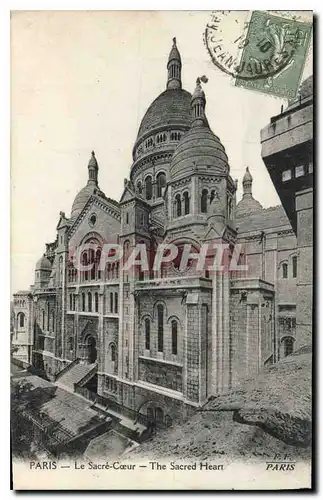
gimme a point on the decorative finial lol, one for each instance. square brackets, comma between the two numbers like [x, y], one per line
[92, 153]
[198, 81]
[174, 41]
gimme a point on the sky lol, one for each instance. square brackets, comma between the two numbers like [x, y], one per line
[82, 81]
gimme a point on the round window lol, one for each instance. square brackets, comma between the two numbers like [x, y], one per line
[92, 220]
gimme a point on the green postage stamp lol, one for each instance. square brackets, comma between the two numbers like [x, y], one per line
[262, 51]
[282, 46]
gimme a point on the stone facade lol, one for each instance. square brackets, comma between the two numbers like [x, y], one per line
[165, 340]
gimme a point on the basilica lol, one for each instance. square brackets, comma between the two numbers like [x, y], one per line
[159, 343]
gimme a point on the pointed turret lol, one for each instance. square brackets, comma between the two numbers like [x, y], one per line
[174, 67]
[93, 169]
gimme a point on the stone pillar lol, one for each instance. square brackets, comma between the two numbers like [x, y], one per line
[304, 311]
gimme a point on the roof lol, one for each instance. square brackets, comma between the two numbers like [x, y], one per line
[43, 264]
[248, 205]
[67, 414]
[264, 219]
[199, 149]
[172, 107]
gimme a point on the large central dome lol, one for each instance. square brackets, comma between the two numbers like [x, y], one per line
[165, 121]
[172, 107]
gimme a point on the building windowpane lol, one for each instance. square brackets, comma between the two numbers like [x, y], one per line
[149, 189]
[174, 337]
[204, 201]
[116, 302]
[178, 205]
[160, 320]
[96, 300]
[299, 171]
[285, 270]
[286, 175]
[83, 301]
[186, 203]
[294, 261]
[147, 334]
[288, 346]
[111, 302]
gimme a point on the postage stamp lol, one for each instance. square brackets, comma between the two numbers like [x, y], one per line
[261, 51]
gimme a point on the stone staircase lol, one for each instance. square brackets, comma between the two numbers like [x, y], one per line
[75, 375]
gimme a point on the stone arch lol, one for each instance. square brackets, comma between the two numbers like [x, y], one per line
[91, 347]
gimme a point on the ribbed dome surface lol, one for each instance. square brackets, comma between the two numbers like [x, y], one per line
[82, 197]
[172, 107]
[201, 149]
[248, 205]
[43, 264]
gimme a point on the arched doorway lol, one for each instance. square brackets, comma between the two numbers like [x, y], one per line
[91, 349]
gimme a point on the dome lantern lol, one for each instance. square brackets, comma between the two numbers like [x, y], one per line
[174, 67]
[93, 169]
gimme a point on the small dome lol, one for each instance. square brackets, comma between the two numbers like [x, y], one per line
[199, 149]
[248, 205]
[43, 264]
[81, 199]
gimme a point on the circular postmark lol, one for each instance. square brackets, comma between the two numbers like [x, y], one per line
[252, 45]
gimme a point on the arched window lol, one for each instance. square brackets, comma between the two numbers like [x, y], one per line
[74, 301]
[53, 320]
[147, 334]
[161, 184]
[178, 205]
[212, 196]
[288, 346]
[96, 302]
[97, 263]
[204, 201]
[160, 327]
[89, 302]
[117, 270]
[83, 301]
[92, 263]
[139, 187]
[111, 302]
[186, 203]
[47, 314]
[149, 187]
[285, 270]
[159, 415]
[294, 264]
[108, 271]
[116, 302]
[113, 352]
[85, 263]
[43, 319]
[71, 302]
[21, 320]
[71, 343]
[174, 337]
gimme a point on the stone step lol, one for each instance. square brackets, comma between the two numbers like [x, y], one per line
[74, 375]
